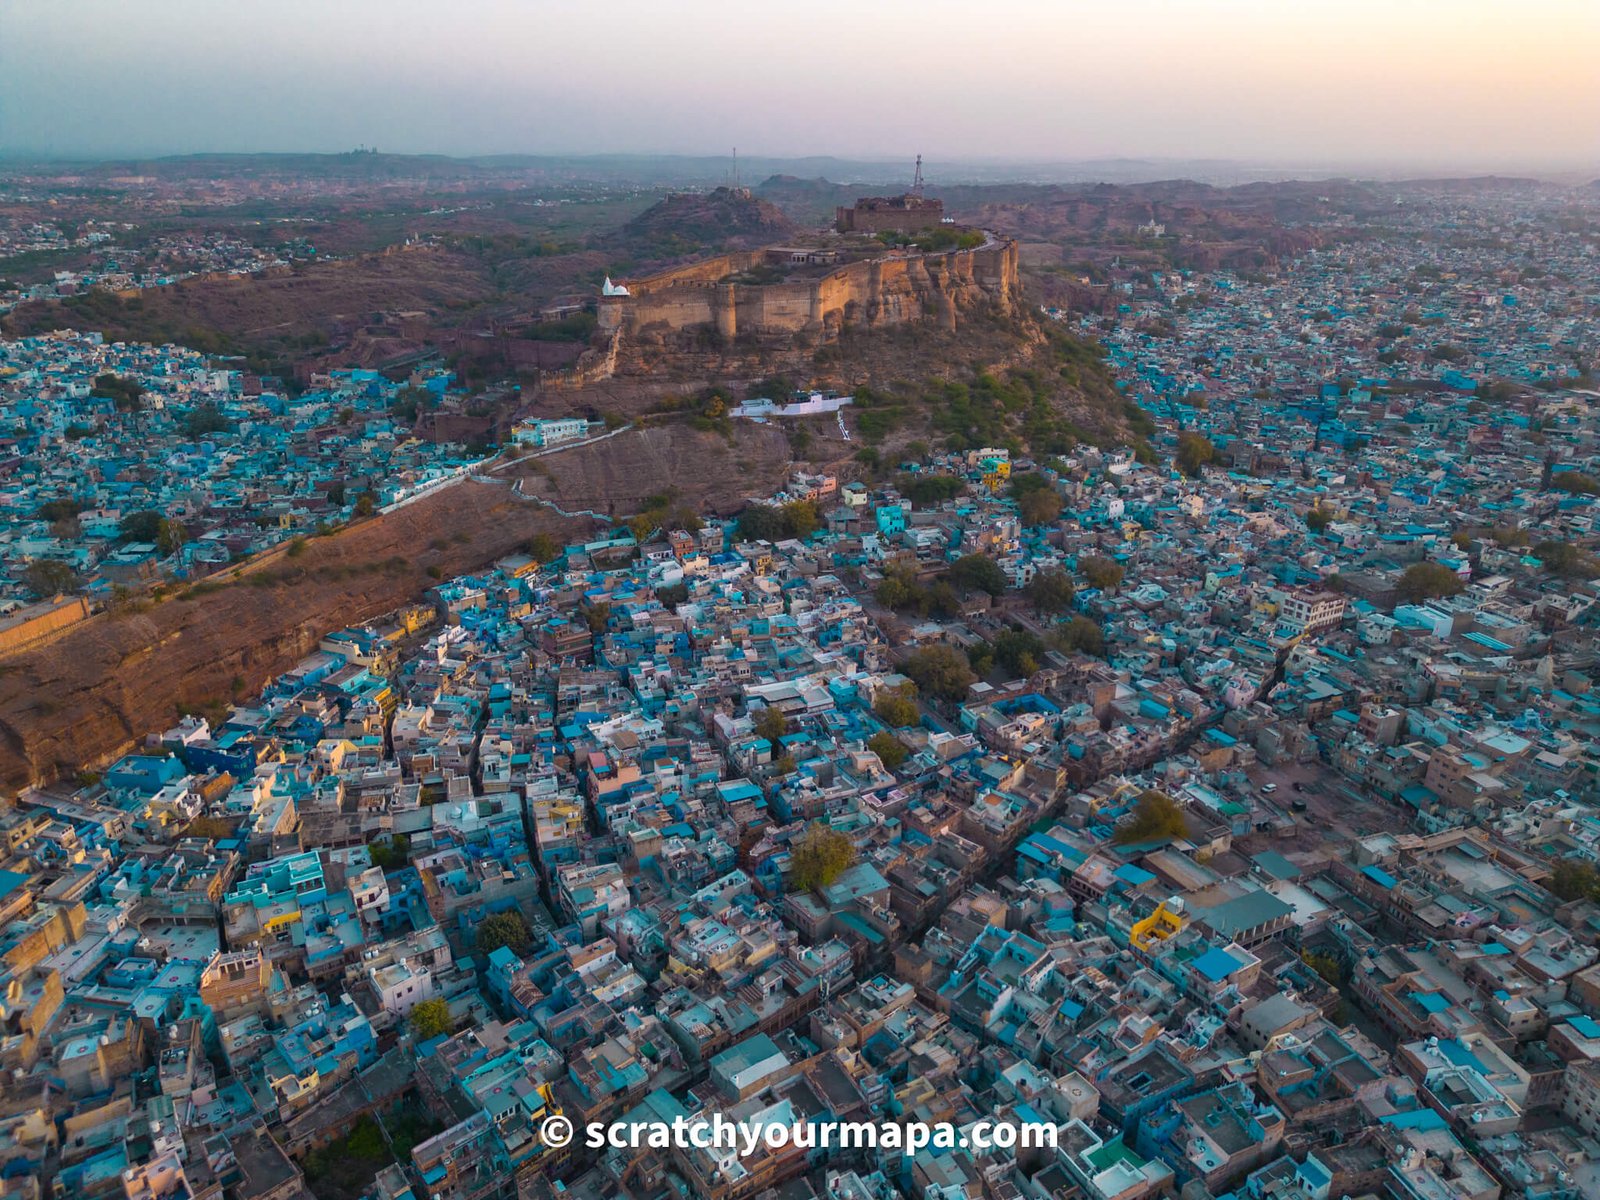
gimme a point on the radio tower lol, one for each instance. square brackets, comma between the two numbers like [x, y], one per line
[736, 168]
[916, 180]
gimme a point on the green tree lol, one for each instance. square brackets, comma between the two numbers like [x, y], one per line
[899, 707]
[61, 509]
[542, 548]
[1050, 591]
[941, 671]
[1195, 452]
[1102, 573]
[1325, 965]
[931, 488]
[126, 395]
[143, 526]
[366, 1139]
[772, 523]
[366, 504]
[431, 1018]
[596, 615]
[819, 856]
[171, 536]
[771, 724]
[46, 577]
[1156, 817]
[203, 419]
[978, 571]
[1565, 559]
[503, 929]
[1427, 581]
[897, 589]
[1040, 507]
[802, 518]
[213, 829]
[335, 492]
[1575, 482]
[1017, 650]
[392, 854]
[150, 526]
[1573, 879]
[1079, 635]
[890, 749]
[1318, 519]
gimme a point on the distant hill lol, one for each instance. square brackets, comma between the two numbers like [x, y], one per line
[694, 222]
[809, 201]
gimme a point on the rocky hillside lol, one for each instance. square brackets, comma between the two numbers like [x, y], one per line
[101, 687]
[690, 222]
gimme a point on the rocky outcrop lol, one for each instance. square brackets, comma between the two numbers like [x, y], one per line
[702, 304]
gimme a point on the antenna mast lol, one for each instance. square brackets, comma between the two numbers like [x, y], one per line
[916, 180]
[736, 167]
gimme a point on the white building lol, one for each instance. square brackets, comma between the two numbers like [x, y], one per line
[1313, 612]
[400, 987]
[548, 432]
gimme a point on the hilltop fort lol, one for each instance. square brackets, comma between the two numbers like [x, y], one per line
[808, 295]
[877, 214]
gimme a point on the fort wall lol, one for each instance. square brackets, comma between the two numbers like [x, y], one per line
[38, 623]
[891, 289]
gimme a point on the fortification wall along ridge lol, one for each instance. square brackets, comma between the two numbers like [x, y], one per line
[890, 289]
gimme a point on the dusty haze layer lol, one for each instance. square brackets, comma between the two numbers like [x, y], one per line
[1431, 83]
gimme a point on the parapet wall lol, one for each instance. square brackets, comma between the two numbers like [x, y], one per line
[891, 289]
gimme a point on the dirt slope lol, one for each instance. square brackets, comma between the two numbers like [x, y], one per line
[702, 468]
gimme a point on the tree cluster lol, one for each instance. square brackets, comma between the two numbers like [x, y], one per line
[1156, 817]
[46, 577]
[149, 526]
[930, 489]
[1567, 560]
[774, 523]
[504, 929]
[902, 591]
[1050, 591]
[771, 724]
[819, 856]
[1575, 482]
[941, 671]
[1195, 452]
[1427, 581]
[978, 572]
[126, 395]
[431, 1019]
[203, 419]
[890, 749]
[899, 707]
[1103, 574]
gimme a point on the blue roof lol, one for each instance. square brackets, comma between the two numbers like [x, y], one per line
[1216, 964]
[1586, 1026]
[1379, 876]
[1461, 1056]
[1418, 796]
[1431, 1002]
[1422, 1118]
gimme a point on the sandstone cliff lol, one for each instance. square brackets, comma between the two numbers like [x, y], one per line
[703, 307]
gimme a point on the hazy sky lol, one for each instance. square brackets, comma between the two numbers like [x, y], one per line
[1489, 83]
